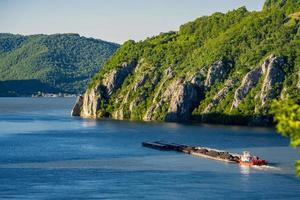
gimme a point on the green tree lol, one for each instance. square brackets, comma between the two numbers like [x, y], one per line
[60, 62]
[240, 38]
[287, 116]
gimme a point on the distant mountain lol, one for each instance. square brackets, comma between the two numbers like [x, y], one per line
[223, 68]
[50, 63]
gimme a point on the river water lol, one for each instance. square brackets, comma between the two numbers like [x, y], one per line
[46, 154]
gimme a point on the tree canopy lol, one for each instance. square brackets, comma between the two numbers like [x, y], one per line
[241, 38]
[63, 62]
[287, 116]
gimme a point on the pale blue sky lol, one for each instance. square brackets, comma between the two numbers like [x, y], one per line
[112, 20]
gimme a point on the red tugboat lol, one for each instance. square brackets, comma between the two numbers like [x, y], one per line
[247, 160]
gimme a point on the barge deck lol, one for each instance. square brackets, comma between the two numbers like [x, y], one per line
[204, 152]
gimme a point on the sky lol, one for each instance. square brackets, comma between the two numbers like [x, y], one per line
[111, 20]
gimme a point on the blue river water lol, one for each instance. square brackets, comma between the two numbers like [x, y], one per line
[47, 154]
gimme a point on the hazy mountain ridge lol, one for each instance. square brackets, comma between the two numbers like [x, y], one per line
[63, 62]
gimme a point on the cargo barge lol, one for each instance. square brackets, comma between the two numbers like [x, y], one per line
[245, 159]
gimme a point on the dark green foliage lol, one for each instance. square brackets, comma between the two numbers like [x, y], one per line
[16, 88]
[242, 38]
[9, 42]
[287, 116]
[289, 6]
[65, 62]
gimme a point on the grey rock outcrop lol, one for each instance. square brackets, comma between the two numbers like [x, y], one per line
[180, 98]
[183, 100]
[249, 81]
[132, 99]
[217, 71]
[93, 97]
[174, 98]
[161, 98]
[140, 82]
[77, 107]
[150, 112]
[198, 78]
[219, 96]
[115, 79]
[169, 72]
[119, 114]
[91, 103]
[274, 77]
[134, 103]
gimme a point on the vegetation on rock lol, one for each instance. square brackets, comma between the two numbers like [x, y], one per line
[177, 75]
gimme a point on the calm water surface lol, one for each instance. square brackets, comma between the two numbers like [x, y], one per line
[46, 154]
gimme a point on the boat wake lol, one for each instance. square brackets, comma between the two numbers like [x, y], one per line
[266, 167]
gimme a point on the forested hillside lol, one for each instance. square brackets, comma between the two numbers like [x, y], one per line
[220, 68]
[58, 63]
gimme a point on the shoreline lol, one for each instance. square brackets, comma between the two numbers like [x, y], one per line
[192, 122]
[189, 123]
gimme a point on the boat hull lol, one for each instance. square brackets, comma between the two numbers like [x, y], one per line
[253, 163]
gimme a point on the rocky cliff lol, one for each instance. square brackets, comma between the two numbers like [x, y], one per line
[177, 98]
[273, 74]
[207, 68]
[91, 101]
[217, 72]
[249, 81]
[274, 77]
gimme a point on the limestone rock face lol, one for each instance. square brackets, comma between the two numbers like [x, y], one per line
[169, 72]
[219, 96]
[140, 82]
[217, 71]
[179, 98]
[274, 77]
[93, 97]
[271, 69]
[119, 114]
[150, 113]
[154, 94]
[91, 103]
[115, 79]
[183, 100]
[248, 82]
[198, 78]
[162, 98]
[77, 107]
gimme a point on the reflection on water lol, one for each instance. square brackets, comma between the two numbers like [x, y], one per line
[89, 123]
[245, 170]
[46, 154]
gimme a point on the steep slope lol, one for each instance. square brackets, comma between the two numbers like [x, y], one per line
[222, 68]
[63, 62]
